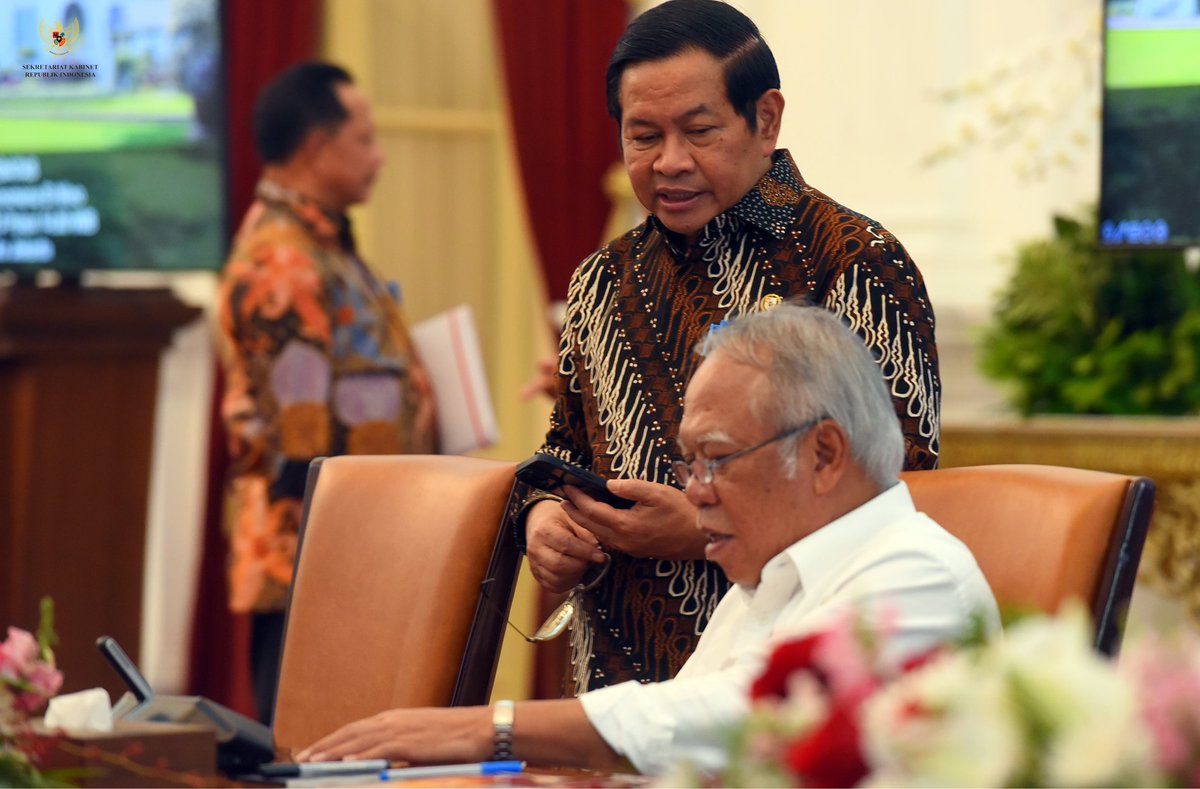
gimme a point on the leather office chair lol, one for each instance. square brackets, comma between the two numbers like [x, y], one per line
[1043, 534]
[385, 608]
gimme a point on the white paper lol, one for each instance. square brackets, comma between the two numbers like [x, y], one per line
[449, 348]
[85, 711]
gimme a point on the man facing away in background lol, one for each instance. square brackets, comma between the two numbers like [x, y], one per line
[733, 229]
[789, 453]
[317, 358]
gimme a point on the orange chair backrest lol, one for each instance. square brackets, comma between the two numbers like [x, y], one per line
[1041, 534]
[392, 553]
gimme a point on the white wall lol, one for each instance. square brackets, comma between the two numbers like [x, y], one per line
[174, 534]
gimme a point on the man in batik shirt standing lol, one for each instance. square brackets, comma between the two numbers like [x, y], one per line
[733, 229]
[318, 361]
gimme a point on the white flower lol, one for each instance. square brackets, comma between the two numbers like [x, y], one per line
[1036, 707]
[945, 724]
[1082, 713]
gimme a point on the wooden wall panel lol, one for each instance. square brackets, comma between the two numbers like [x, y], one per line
[78, 381]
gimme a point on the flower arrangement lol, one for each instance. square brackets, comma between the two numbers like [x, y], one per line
[1037, 707]
[28, 679]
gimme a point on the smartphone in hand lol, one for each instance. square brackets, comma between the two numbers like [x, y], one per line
[549, 473]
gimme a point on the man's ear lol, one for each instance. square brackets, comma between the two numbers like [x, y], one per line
[831, 447]
[311, 145]
[769, 115]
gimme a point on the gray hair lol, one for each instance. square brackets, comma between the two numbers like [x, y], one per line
[816, 366]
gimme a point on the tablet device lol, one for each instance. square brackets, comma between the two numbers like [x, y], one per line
[242, 744]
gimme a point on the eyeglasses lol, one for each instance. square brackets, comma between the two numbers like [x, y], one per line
[556, 624]
[703, 471]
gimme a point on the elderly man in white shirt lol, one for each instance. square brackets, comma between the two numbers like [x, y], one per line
[816, 525]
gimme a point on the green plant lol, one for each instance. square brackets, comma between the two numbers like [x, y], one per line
[1085, 330]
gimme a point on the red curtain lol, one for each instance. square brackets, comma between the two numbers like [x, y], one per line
[555, 54]
[262, 37]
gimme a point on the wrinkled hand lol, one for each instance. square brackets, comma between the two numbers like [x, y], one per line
[559, 551]
[661, 524]
[439, 735]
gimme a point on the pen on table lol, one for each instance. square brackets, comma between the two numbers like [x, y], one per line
[447, 770]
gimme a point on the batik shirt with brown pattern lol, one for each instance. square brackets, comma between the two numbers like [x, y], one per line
[635, 311]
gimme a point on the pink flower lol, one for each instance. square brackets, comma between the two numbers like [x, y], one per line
[17, 653]
[32, 681]
[1168, 680]
[46, 679]
[843, 662]
[27, 681]
[848, 667]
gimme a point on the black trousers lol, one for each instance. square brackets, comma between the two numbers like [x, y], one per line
[266, 642]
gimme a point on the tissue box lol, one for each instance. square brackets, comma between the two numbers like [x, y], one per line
[138, 754]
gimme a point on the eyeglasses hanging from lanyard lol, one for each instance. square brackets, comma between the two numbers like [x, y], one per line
[556, 624]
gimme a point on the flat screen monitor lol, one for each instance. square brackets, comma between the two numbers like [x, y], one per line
[1150, 161]
[112, 139]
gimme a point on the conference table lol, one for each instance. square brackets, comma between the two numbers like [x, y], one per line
[184, 755]
[548, 777]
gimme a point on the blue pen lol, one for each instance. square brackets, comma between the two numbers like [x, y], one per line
[447, 770]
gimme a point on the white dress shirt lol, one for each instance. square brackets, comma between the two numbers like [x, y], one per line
[884, 560]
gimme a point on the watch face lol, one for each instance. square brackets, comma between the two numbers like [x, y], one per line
[502, 721]
[502, 715]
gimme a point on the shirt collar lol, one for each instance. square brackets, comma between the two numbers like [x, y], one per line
[322, 224]
[769, 206]
[817, 556]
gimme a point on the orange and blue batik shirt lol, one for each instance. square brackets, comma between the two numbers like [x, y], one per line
[318, 362]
